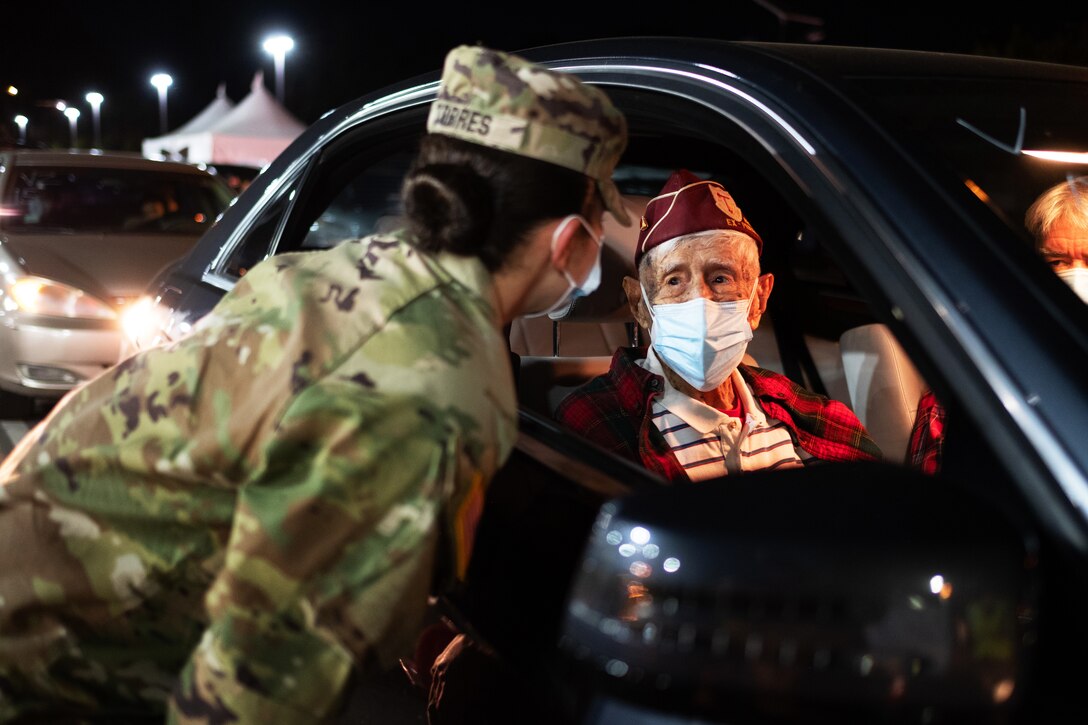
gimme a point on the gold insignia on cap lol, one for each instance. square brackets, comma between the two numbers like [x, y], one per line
[642, 224]
[724, 201]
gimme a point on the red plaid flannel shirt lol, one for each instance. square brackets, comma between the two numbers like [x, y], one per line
[614, 411]
[927, 436]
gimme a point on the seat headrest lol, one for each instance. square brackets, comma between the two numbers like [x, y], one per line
[883, 384]
[608, 303]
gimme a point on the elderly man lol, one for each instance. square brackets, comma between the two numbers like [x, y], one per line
[687, 407]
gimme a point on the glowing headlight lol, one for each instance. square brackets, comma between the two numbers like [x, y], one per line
[40, 296]
[144, 322]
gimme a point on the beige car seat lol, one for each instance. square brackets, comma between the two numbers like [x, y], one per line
[883, 386]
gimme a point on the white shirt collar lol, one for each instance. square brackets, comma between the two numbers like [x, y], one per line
[696, 413]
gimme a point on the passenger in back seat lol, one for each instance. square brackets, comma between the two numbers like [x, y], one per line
[686, 407]
[1058, 223]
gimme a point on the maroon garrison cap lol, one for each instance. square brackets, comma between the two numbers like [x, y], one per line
[688, 204]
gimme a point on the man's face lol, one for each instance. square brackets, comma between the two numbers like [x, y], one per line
[1065, 247]
[715, 267]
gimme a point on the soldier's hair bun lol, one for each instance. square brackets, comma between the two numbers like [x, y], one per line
[476, 201]
[450, 205]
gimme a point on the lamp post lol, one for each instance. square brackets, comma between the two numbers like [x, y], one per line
[72, 114]
[95, 99]
[278, 45]
[162, 81]
[21, 122]
[61, 106]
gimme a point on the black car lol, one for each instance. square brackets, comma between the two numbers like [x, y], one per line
[890, 189]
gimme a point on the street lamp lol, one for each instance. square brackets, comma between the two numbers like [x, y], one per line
[95, 99]
[72, 114]
[278, 45]
[162, 81]
[60, 106]
[21, 122]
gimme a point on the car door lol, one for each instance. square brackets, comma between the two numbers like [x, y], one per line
[858, 232]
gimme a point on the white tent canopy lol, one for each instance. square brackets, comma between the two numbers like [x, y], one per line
[251, 133]
[214, 111]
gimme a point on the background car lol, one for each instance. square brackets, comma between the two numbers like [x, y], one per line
[889, 188]
[81, 237]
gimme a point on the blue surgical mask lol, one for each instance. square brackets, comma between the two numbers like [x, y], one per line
[574, 290]
[701, 340]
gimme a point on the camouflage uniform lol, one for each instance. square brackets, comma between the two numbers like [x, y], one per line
[257, 505]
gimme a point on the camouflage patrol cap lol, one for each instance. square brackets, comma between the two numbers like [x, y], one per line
[503, 101]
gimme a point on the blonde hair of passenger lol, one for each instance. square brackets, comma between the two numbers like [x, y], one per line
[1066, 201]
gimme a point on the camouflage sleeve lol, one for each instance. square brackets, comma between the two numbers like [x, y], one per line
[329, 551]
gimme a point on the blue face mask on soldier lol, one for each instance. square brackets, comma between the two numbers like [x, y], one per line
[701, 340]
[574, 290]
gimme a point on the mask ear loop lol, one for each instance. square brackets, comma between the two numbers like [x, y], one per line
[554, 311]
[646, 301]
[599, 240]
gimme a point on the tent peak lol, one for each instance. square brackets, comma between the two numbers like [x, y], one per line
[258, 81]
[221, 91]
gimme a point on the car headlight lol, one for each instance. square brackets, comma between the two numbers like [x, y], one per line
[144, 323]
[40, 296]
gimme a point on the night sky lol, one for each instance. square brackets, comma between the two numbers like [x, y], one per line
[63, 49]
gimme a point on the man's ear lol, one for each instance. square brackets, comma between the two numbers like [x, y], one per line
[634, 300]
[764, 285]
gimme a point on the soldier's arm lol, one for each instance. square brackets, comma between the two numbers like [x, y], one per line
[329, 552]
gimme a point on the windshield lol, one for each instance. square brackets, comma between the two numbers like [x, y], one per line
[100, 200]
[1009, 142]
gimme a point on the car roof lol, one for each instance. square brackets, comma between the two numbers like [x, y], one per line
[97, 159]
[778, 65]
[829, 60]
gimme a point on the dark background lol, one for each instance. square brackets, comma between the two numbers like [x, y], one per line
[63, 49]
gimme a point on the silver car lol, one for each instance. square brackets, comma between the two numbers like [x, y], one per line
[81, 236]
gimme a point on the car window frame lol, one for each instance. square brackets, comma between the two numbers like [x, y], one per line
[942, 333]
[332, 127]
[367, 146]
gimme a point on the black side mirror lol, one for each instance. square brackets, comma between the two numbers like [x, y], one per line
[837, 593]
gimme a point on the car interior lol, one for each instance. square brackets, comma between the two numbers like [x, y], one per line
[818, 330]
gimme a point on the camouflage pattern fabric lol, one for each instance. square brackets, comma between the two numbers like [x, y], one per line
[501, 100]
[221, 528]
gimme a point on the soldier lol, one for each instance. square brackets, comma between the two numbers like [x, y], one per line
[225, 528]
